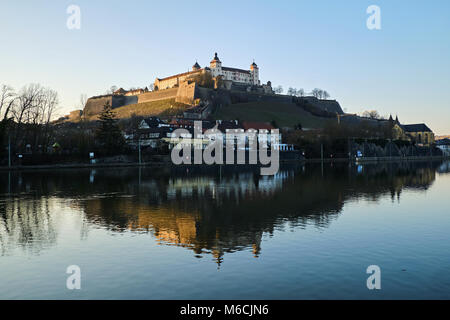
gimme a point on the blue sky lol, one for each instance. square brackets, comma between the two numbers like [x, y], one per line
[403, 69]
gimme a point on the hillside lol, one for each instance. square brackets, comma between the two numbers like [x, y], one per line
[160, 108]
[284, 114]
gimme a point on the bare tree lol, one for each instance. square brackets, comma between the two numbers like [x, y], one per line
[49, 105]
[7, 100]
[111, 90]
[32, 113]
[294, 92]
[316, 93]
[372, 114]
[291, 91]
[300, 93]
[29, 97]
[278, 90]
[320, 94]
[83, 100]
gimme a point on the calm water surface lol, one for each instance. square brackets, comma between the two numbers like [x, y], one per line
[176, 233]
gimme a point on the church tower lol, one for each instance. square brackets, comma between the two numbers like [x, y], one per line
[216, 66]
[254, 72]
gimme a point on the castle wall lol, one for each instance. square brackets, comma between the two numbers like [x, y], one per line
[120, 101]
[75, 115]
[176, 80]
[165, 84]
[186, 93]
[95, 105]
[157, 95]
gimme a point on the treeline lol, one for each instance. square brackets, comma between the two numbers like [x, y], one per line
[341, 140]
[103, 136]
[316, 92]
[25, 117]
[27, 129]
[335, 140]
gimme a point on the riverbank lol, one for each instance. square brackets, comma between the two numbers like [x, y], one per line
[379, 159]
[165, 163]
[83, 165]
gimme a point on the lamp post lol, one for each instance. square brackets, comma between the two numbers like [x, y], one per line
[9, 151]
[321, 152]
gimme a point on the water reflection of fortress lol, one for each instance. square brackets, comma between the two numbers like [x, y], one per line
[215, 216]
[207, 212]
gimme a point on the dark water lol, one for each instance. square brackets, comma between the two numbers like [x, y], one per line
[173, 233]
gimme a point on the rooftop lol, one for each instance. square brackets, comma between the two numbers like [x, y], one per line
[181, 74]
[419, 127]
[235, 70]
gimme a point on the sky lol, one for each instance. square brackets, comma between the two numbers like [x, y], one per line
[401, 69]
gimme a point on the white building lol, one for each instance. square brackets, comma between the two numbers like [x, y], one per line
[235, 75]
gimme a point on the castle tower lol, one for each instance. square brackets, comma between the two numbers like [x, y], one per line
[216, 66]
[254, 72]
[196, 66]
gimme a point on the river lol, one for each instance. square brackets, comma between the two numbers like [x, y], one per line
[309, 232]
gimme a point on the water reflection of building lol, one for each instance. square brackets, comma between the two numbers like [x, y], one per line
[216, 216]
[444, 167]
[208, 213]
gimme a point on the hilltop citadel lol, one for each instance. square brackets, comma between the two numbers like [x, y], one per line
[217, 92]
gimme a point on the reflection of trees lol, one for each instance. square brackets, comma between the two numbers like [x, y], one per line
[375, 181]
[215, 216]
[206, 211]
[26, 222]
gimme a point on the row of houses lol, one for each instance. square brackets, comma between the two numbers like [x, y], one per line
[153, 131]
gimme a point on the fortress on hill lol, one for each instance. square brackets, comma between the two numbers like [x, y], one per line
[216, 70]
[202, 90]
[234, 84]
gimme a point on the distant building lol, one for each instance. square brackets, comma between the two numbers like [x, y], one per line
[152, 122]
[149, 133]
[120, 91]
[153, 131]
[216, 70]
[444, 146]
[133, 92]
[419, 133]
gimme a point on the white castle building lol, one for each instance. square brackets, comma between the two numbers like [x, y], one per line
[234, 75]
